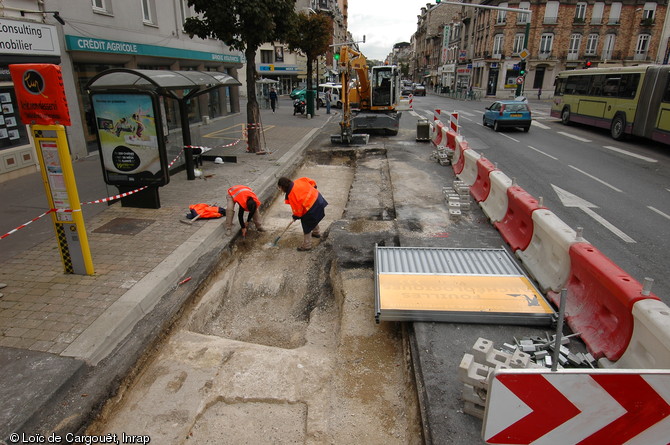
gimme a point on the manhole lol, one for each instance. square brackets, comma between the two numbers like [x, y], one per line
[124, 226]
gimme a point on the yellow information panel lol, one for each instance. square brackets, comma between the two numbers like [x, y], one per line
[461, 293]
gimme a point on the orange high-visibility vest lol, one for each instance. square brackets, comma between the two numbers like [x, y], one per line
[302, 196]
[206, 210]
[240, 194]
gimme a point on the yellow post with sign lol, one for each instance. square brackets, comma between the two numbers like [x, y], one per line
[59, 182]
[42, 104]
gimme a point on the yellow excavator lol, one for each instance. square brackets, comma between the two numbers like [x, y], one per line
[369, 97]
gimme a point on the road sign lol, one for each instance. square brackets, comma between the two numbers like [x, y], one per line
[585, 406]
[524, 53]
[519, 80]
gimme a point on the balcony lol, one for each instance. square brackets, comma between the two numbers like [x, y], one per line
[578, 21]
[550, 21]
[647, 22]
[544, 55]
[572, 56]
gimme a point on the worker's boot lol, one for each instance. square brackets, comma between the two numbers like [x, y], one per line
[316, 233]
[306, 243]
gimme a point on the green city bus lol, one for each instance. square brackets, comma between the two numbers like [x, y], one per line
[626, 100]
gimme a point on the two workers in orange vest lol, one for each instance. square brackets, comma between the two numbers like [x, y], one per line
[307, 205]
[247, 201]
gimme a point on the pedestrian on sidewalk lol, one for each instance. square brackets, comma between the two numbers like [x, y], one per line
[307, 205]
[328, 99]
[273, 99]
[247, 201]
[539, 93]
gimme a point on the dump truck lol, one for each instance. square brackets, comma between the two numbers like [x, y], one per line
[370, 97]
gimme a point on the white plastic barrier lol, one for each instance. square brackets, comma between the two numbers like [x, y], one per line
[443, 139]
[469, 173]
[649, 346]
[547, 257]
[458, 152]
[495, 205]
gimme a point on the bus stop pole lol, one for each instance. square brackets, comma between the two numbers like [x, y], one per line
[186, 138]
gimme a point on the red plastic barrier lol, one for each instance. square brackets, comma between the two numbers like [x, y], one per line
[451, 139]
[460, 164]
[517, 225]
[438, 137]
[482, 186]
[599, 301]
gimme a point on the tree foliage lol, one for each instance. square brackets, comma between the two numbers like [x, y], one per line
[311, 34]
[243, 25]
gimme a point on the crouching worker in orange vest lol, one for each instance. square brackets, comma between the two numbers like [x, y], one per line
[307, 205]
[248, 202]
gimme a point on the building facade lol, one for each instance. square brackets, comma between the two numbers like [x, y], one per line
[485, 46]
[87, 37]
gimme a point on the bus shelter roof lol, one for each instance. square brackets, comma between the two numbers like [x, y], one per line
[164, 82]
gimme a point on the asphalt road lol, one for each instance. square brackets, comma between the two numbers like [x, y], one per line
[618, 191]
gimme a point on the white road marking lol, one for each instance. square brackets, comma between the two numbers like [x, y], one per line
[509, 137]
[541, 152]
[415, 114]
[609, 226]
[537, 124]
[628, 153]
[658, 211]
[570, 200]
[596, 179]
[574, 137]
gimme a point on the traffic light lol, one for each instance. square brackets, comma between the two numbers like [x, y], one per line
[587, 64]
[336, 56]
[438, 1]
[522, 68]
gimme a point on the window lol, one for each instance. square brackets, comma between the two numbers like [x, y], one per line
[546, 43]
[597, 17]
[267, 55]
[580, 13]
[591, 44]
[551, 13]
[608, 47]
[628, 85]
[497, 45]
[518, 43]
[148, 12]
[615, 14]
[573, 47]
[666, 95]
[523, 18]
[502, 15]
[648, 11]
[186, 11]
[642, 46]
[104, 6]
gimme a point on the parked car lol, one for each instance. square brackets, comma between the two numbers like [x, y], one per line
[297, 92]
[506, 114]
[406, 90]
[419, 90]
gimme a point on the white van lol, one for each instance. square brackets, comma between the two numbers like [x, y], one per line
[335, 94]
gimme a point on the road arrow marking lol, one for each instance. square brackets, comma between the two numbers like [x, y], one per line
[570, 200]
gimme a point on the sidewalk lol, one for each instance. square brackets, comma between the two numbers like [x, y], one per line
[66, 339]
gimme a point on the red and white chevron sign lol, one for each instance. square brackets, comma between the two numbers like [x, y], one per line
[575, 406]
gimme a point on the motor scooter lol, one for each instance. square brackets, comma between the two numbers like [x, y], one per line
[299, 106]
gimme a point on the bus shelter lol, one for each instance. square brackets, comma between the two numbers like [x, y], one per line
[129, 112]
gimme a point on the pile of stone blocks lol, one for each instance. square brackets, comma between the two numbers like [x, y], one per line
[477, 368]
[458, 198]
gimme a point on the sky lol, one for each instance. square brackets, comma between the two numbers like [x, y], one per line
[384, 23]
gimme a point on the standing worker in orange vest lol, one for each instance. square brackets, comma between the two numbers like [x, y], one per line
[307, 205]
[249, 202]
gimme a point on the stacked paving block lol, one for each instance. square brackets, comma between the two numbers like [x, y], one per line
[477, 368]
[458, 198]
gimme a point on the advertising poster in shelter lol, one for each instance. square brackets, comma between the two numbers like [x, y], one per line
[130, 138]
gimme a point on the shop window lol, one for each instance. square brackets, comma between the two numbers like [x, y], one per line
[12, 131]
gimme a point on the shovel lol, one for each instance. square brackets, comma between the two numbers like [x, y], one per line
[189, 221]
[282, 234]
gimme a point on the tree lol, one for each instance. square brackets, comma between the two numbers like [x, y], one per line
[311, 34]
[243, 25]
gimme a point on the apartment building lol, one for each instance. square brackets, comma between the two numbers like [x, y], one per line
[484, 46]
[87, 37]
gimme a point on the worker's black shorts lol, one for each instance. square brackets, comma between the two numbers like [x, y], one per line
[314, 215]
